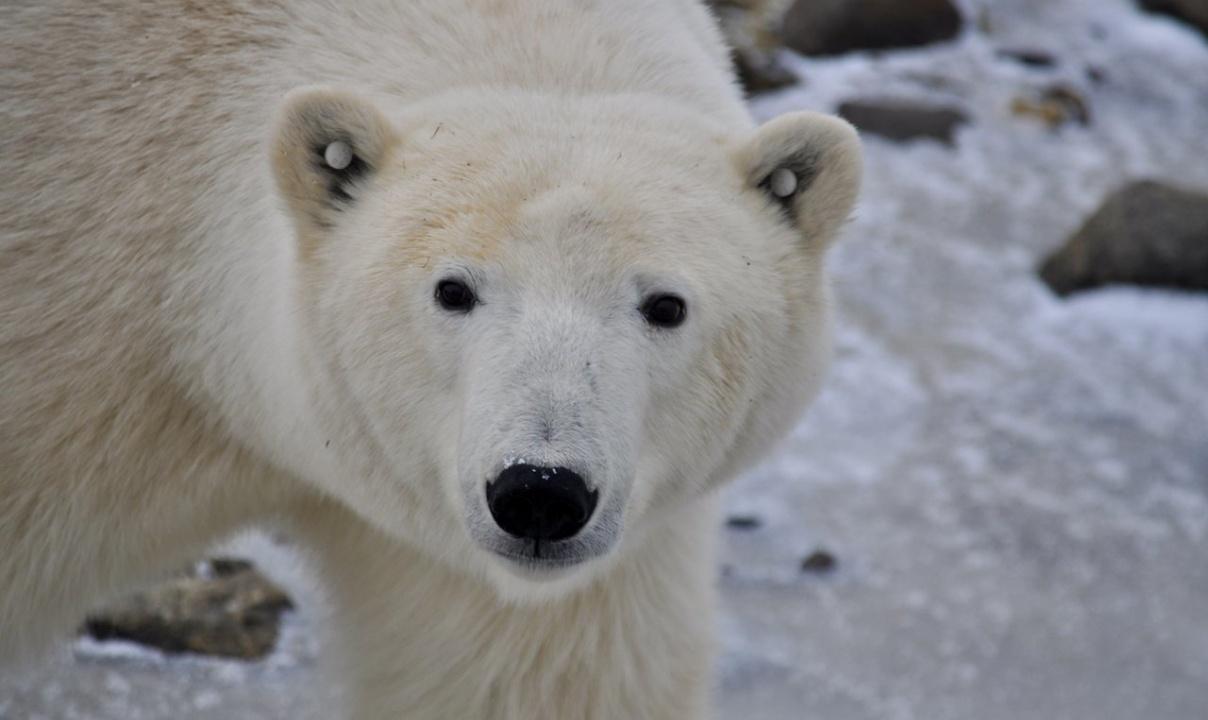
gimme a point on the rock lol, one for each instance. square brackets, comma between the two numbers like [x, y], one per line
[744, 522]
[1144, 234]
[903, 120]
[819, 562]
[1096, 74]
[832, 27]
[1192, 12]
[229, 609]
[762, 74]
[1055, 106]
[1032, 58]
[749, 28]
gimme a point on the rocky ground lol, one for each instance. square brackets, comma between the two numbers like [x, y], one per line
[998, 509]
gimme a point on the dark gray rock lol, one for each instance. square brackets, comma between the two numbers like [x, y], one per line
[749, 29]
[819, 562]
[903, 120]
[832, 27]
[1038, 59]
[1144, 234]
[762, 73]
[744, 522]
[1192, 12]
[231, 611]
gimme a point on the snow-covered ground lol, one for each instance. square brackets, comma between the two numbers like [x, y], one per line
[1015, 486]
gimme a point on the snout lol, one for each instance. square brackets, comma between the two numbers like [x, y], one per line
[541, 504]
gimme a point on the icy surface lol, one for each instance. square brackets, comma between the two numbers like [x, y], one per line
[1015, 487]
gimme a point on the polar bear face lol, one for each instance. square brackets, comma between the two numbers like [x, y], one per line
[543, 329]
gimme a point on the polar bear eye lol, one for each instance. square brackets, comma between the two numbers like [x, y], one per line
[664, 311]
[455, 296]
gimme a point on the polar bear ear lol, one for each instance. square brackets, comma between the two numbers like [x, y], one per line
[327, 146]
[809, 165]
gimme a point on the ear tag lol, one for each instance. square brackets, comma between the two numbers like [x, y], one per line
[783, 183]
[338, 155]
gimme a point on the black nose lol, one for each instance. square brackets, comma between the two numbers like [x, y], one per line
[540, 503]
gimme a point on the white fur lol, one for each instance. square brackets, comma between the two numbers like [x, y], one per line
[196, 334]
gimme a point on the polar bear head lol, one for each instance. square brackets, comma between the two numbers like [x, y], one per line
[538, 327]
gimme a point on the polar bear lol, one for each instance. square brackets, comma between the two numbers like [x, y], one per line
[483, 298]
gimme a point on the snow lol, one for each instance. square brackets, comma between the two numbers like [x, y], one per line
[1015, 486]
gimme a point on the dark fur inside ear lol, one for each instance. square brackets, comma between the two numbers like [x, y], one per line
[340, 181]
[311, 121]
[822, 153]
[803, 164]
